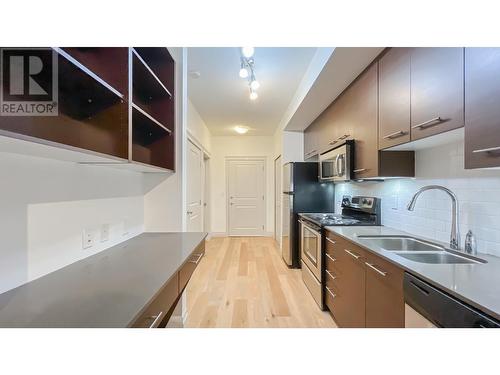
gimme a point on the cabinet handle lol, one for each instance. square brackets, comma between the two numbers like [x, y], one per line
[333, 142]
[487, 150]
[345, 136]
[383, 273]
[331, 275]
[331, 241]
[311, 152]
[331, 293]
[359, 170]
[397, 134]
[331, 258]
[352, 254]
[428, 122]
[197, 260]
[156, 319]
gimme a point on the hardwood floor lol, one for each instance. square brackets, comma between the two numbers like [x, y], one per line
[243, 282]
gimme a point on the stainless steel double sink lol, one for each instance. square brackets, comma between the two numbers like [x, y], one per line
[420, 250]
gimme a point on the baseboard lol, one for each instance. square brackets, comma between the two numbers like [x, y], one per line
[217, 234]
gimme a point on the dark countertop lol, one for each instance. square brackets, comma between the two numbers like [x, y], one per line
[476, 284]
[107, 289]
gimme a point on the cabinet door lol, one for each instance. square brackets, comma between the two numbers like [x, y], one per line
[394, 97]
[363, 101]
[384, 294]
[311, 140]
[482, 109]
[349, 303]
[437, 90]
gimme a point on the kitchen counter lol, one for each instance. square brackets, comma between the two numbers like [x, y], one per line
[476, 284]
[108, 289]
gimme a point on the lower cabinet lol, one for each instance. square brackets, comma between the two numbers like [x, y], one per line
[361, 289]
[159, 310]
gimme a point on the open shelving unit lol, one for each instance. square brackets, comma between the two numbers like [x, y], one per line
[152, 107]
[115, 106]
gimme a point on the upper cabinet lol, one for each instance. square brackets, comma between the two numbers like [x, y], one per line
[437, 90]
[482, 109]
[115, 105]
[311, 139]
[394, 97]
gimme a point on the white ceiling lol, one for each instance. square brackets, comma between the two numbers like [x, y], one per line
[221, 96]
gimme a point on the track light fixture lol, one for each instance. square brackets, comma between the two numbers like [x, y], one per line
[247, 70]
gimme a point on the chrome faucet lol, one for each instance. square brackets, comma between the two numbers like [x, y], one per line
[455, 235]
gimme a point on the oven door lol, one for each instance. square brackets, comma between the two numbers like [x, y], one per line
[310, 245]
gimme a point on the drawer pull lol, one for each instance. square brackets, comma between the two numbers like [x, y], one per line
[397, 134]
[331, 293]
[331, 275]
[383, 273]
[487, 150]
[332, 142]
[331, 258]
[356, 256]
[428, 123]
[359, 170]
[198, 259]
[331, 241]
[156, 319]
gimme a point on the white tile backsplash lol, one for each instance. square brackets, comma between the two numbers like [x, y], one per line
[478, 192]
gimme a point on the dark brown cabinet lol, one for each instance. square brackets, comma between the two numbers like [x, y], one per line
[384, 294]
[345, 282]
[361, 289]
[311, 139]
[363, 119]
[482, 109]
[437, 91]
[394, 97]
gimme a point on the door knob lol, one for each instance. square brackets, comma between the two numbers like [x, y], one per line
[190, 212]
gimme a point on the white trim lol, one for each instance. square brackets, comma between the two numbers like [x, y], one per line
[87, 71]
[144, 113]
[226, 167]
[197, 143]
[150, 71]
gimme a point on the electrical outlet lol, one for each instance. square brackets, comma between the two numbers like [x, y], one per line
[104, 232]
[87, 238]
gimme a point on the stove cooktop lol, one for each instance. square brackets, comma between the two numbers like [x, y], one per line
[330, 219]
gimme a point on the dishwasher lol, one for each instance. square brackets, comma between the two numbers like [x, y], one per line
[426, 306]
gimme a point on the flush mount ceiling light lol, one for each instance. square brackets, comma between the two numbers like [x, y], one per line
[240, 129]
[247, 70]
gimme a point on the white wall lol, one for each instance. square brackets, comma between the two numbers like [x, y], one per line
[227, 146]
[197, 127]
[45, 205]
[478, 192]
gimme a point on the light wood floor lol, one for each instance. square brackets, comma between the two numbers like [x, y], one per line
[243, 282]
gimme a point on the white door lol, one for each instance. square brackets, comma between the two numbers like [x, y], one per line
[246, 197]
[194, 189]
[277, 199]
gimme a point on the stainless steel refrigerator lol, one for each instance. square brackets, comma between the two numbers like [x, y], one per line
[302, 192]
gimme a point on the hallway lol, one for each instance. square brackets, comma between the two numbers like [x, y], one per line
[242, 282]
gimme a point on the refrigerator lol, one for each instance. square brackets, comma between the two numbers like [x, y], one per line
[302, 192]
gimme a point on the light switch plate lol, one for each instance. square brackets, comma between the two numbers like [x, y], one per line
[104, 232]
[87, 238]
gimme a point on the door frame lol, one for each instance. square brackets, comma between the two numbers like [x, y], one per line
[277, 196]
[205, 182]
[246, 158]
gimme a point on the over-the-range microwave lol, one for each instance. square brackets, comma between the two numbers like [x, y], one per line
[337, 164]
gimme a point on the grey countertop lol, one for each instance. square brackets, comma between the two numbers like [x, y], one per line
[107, 289]
[475, 284]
